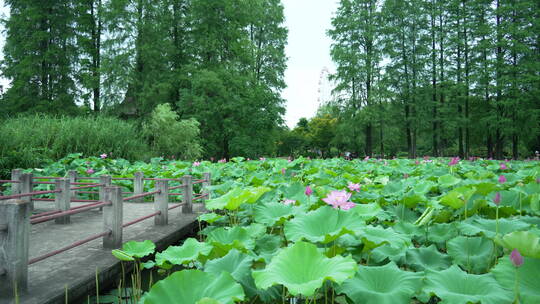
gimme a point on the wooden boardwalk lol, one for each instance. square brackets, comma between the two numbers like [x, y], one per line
[75, 269]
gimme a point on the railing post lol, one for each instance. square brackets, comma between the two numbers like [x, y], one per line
[27, 186]
[16, 174]
[14, 241]
[112, 217]
[106, 180]
[138, 186]
[161, 203]
[62, 199]
[205, 191]
[187, 194]
[72, 176]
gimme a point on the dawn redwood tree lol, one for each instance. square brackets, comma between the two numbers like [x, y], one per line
[40, 57]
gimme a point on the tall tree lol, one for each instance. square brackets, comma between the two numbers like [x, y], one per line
[39, 57]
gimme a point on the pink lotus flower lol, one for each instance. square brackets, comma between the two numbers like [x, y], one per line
[196, 164]
[308, 191]
[339, 200]
[502, 179]
[283, 171]
[366, 158]
[90, 171]
[497, 199]
[354, 187]
[289, 202]
[417, 162]
[103, 156]
[222, 161]
[516, 258]
[262, 158]
[503, 166]
[454, 161]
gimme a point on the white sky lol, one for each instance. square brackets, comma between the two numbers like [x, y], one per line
[308, 51]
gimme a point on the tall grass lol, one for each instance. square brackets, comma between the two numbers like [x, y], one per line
[29, 141]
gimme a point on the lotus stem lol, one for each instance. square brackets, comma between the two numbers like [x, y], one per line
[97, 286]
[516, 288]
[497, 222]
[520, 205]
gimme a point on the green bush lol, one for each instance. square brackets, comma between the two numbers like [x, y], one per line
[29, 141]
[172, 137]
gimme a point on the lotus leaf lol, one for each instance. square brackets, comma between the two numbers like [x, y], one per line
[272, 213]
[529, 284]
[471, 253]
[454, 286]
[424, 258]
[225, 239]
[382, 285]
[236, 197]
[302, 269]
[373, 237]
[190, 251]
[322, 225]
[193, 286]
[139, 249]
[526, 242]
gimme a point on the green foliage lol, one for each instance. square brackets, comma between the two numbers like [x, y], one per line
[29, 141]
[171, 137]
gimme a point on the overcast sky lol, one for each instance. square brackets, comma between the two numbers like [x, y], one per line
[308, 51]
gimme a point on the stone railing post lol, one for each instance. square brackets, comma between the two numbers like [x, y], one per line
[14, 241]
[205, 191]
[27, 186]
[138, 186]
[16, 175]
[106, 180]
[112, 217]
[62, 200]
[187, 194]
[161, 203]
[72, 176]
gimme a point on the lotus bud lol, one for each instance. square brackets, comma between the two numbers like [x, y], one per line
[516, 258]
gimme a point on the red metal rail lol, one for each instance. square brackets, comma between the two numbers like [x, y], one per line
[58, 211]
[44, 183]
[5, 181]
[28, 194]
[89, 186]
[176, 206]
[78, 243]
[141, 195]
[47, 218]
[175, 193]
[140, 219]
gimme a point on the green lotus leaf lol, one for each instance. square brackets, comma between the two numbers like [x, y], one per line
[190, 251]
[272, 213]
[471, 253]
[122, 255]
[386, 251]
[139, 249]
[224, 239]
[475, 225]
[448, 180]
[382, 285]
[423, 186]
[239, 266]
[526, 242]
[423, 258]
[373, 237]
[322, 225]
[267, 246]
[367, 212]
[454, 286]
[192, 286]
[457, 197]
[209, 217]
[439, 233]
[302, 269]
[529, 284]
[236, 197]
[207, 301]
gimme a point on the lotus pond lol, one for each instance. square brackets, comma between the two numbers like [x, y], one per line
[337, 231]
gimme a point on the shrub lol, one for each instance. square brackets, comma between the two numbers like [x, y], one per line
[170, 136]
[28, 141]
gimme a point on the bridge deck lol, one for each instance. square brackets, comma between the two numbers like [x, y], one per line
[76, 269]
